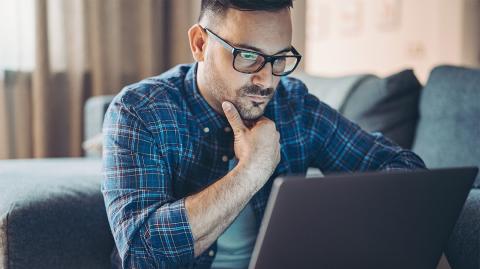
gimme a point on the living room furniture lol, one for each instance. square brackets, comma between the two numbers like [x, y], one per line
[52, 213]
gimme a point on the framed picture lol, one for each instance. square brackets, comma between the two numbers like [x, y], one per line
[388, 14]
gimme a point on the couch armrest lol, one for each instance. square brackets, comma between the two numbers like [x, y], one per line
[53, 215]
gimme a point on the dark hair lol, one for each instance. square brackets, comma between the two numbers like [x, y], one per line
[220, 7]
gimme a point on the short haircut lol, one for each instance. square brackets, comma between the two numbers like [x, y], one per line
[220, 7]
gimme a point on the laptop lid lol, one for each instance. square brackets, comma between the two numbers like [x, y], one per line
[366, 220]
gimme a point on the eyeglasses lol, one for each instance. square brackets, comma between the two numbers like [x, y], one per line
[249, 61]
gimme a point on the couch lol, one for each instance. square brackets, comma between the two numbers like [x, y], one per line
[52, 213]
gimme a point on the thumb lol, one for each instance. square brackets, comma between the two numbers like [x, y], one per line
[233, 117]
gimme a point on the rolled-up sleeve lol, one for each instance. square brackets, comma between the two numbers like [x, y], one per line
[342, 146]
[149, 225]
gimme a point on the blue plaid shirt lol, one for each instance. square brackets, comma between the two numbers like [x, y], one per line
[163, 142]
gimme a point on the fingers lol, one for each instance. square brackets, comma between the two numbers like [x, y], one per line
[233, 117]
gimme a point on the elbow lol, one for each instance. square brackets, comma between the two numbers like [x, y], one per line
[146, 256]
[404, 161]
[147, 251]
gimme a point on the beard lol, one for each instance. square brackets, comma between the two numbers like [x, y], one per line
[248, 109]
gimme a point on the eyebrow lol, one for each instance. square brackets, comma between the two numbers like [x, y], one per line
[245, 46]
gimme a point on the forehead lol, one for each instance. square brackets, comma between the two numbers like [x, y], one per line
[268, 31]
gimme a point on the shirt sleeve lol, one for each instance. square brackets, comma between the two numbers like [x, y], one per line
[149, 225]
[340, 145]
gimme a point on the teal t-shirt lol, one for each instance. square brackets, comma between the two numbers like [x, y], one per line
[235, 245]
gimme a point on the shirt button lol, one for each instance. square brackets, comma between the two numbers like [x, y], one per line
[211, 253]
[227, 129]
[225, 158]
[206, 130]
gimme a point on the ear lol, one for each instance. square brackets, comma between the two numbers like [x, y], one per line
[198, 42]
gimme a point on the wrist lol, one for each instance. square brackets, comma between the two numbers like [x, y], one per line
[254, 171]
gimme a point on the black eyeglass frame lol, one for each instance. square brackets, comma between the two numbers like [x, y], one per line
[268, 58]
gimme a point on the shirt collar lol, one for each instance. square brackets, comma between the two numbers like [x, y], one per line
[209, 120]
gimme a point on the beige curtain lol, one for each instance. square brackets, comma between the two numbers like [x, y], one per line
[85, 48]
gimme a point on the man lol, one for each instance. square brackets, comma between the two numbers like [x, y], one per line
[190, 155]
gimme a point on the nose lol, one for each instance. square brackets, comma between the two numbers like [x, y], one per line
[264, 77]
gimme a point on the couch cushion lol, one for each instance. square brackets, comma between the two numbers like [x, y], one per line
[53, 214]
[448, 132]
[388, 105]
[331, 90]
[463, 250]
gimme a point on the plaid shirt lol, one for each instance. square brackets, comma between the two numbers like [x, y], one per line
[163, 142]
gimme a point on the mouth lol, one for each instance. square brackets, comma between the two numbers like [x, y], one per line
[257, 98]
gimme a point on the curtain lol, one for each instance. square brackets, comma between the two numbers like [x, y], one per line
[79, 49]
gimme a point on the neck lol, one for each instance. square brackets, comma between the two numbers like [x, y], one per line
[202, 87]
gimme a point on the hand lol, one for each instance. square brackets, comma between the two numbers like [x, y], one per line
[257, 147]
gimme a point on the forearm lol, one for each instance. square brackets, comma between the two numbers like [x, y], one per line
[212, 210]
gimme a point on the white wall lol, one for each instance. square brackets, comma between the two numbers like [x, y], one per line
[356, 36]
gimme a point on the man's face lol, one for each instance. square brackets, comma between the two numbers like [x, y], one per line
[265, 32]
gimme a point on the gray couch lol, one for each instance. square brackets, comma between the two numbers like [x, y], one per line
[52, 213]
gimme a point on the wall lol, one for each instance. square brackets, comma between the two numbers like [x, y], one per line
[384, 36]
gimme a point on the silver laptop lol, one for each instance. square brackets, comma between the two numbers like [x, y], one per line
[369, 220]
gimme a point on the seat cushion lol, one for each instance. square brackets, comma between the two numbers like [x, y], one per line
[463, 250]
[52, 215]
[448, 132]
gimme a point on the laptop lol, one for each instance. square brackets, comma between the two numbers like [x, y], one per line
[366, 220]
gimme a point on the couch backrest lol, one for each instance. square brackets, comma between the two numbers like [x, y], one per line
[388, 105]
[448, 132]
